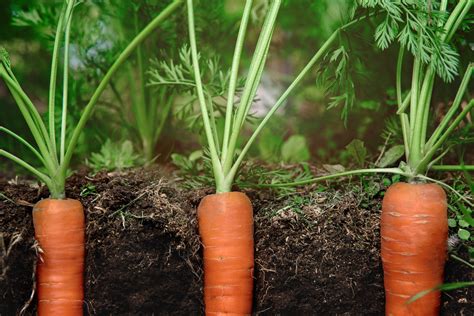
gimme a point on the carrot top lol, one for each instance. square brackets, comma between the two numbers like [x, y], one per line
[225, 156]
[53, 152]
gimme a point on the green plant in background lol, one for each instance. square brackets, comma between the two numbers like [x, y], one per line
[193, 169]
[54, 152]
[295, 149]
[306, 24]
[150, 108]
[273, 148]
[462, 219]
[149, 105]
[114, 156]
[357, 150]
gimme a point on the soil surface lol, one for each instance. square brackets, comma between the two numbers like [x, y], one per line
[317, 251]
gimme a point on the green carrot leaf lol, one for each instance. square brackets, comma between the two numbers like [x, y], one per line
[417, 25]
[391, 156]
[386, 32]
[357, 150]
[452, 222]
[295, 149]
[464, 234]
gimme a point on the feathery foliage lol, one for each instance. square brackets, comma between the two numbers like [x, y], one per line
[416, 25]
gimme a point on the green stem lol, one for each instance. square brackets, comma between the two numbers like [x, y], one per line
[403, 117]
[141, 105]
[57, 187]
[65, 86]
[20, 96]
[103, 84]
[332, 176]
[24, 142]
[426, 112]
[234, 76]
[229, 178]
[140, 102]
[405, 103]
[43, 177]
[453, 168]
[24, 103]
[420, 153]
[212, 116]
[415, 154]
[319, 54]
[401, 52]
[255, 73]
[135, 102]
[256, 83]
[455, 19]
[442, 8]
[362, 171]
[217, 169]
[419, 136]
[140, 62]
[29, 111]
[454, 107]
[54, 72]
[430, 153]
[434, 161]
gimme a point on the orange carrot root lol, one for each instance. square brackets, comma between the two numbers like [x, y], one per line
[226, 229]
[414, 233]
[59, 229]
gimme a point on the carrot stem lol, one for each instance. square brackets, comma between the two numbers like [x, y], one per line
[65, 85]
[453, 167]
[217, 168]
[53, 77]
[233, 77]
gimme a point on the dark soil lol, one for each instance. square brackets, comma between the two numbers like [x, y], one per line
[317, 253]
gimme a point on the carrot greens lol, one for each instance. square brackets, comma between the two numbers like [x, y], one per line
[55, 155]
[225, 155]
[426, 34]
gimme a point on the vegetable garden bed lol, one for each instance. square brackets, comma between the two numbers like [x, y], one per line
[316, 251]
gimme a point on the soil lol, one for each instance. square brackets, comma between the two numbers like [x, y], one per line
[316, 251]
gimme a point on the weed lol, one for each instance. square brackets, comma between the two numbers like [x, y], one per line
[114, 157]
[87, 190]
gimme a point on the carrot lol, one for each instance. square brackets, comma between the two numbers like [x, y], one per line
[414, 231]
[226, 229]
[59, 230]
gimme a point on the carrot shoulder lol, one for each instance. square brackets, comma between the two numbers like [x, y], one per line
[59, 230]
[226, 229]
[414, 233]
